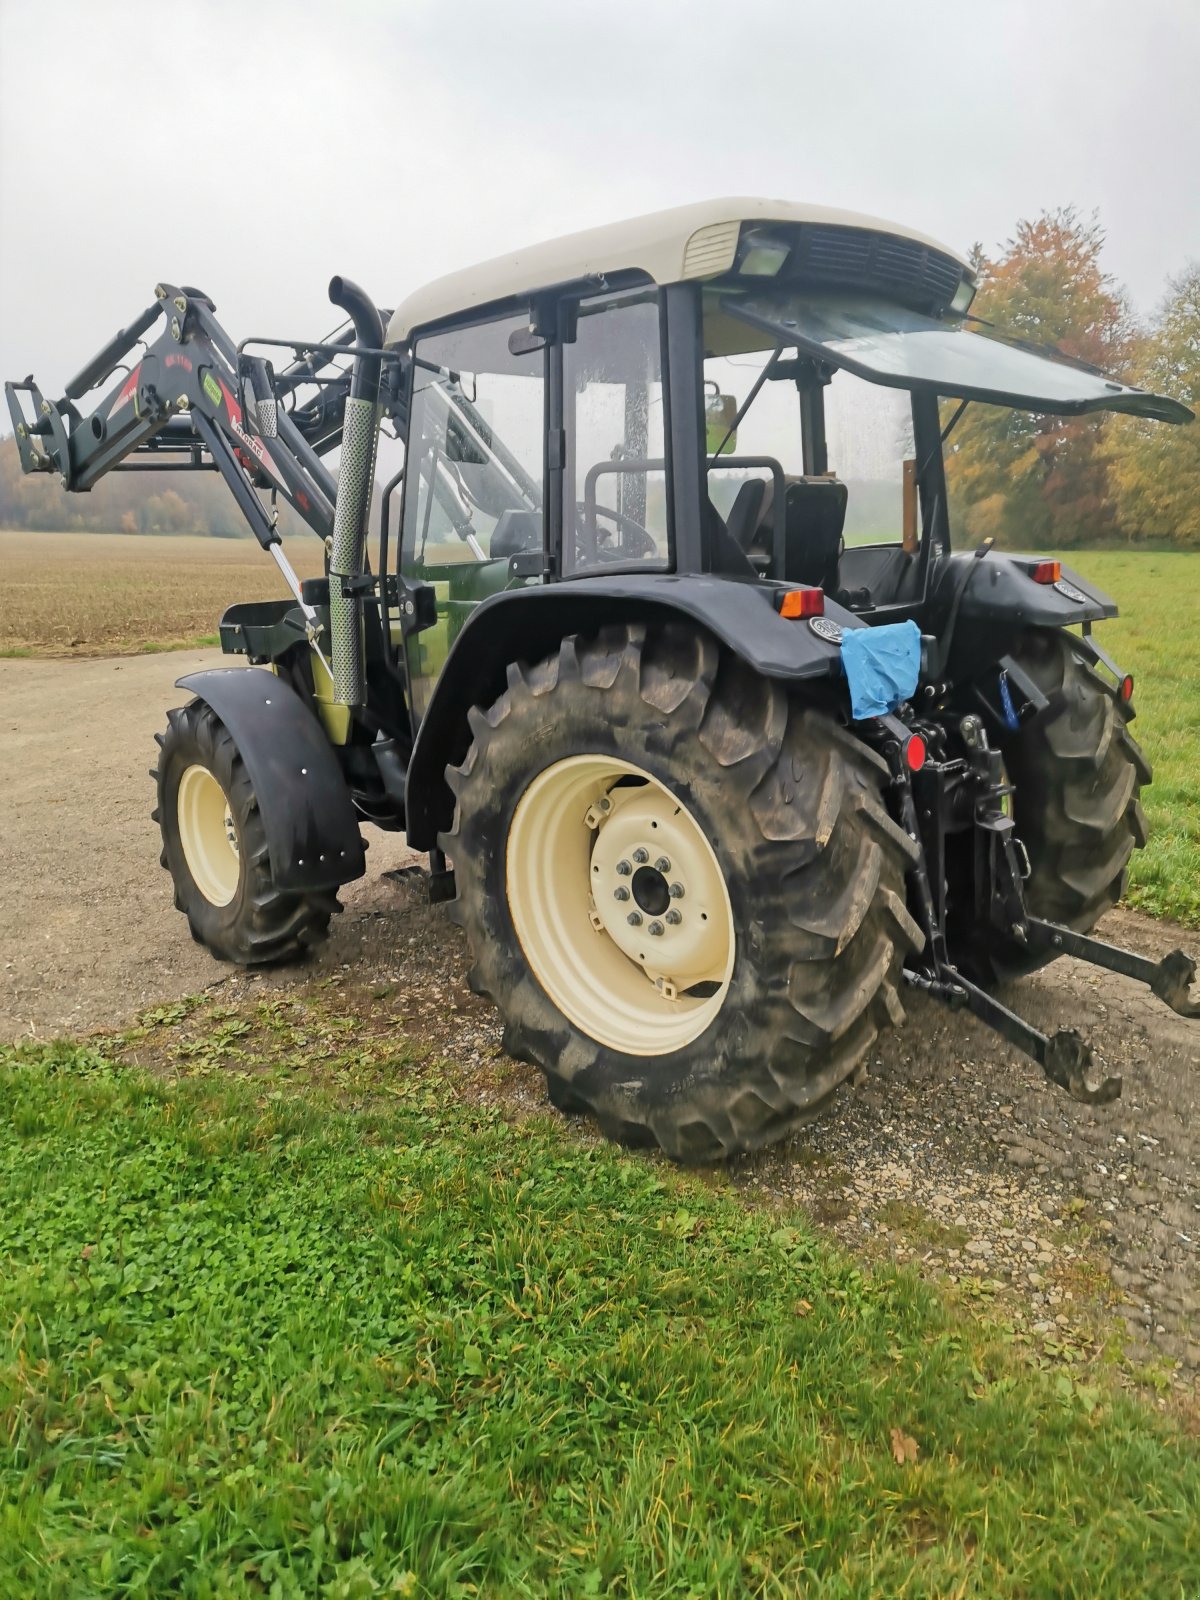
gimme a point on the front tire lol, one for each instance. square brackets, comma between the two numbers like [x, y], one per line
[645, 774]
[215, 848]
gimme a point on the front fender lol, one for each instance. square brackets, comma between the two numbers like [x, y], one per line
[312, 831]
[528, 625]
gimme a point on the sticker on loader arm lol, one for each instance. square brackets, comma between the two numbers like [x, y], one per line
[211, 388]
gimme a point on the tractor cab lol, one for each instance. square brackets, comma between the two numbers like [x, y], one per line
[749, 389]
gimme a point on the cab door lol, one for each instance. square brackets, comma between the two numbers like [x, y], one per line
[473, 519]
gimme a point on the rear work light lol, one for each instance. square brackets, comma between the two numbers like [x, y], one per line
[796, 603]
[1046, 572]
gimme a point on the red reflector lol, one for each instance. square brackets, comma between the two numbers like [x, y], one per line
[1127, 686]
[802, 603]
[914, 752]
[1047, 572]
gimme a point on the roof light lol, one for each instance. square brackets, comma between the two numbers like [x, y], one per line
[762, 254]
[914, 752]
[1046, 571]
[963, 296]
[797, 603]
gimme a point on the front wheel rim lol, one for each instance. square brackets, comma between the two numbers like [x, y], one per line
[208, 835]
[620, 905]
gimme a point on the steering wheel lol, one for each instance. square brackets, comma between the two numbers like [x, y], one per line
[640, 544]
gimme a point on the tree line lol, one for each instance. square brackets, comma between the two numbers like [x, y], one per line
[1031, 480]
[1023, 479]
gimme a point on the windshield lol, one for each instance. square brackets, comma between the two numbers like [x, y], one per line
[890, 345]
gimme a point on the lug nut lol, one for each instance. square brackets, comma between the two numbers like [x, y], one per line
[676, 891]
[641, 856]
[674, 917]
[624, 868]
[634, 919]
[604, 803]
[621, 893]
[655, 928]
[662, 864]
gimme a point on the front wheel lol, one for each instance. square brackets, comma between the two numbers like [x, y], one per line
[680, 887]
[215, 848]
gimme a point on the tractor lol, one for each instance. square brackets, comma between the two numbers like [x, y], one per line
[666, 658]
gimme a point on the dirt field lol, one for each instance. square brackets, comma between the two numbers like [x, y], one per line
[89, 594]
[954, 1154]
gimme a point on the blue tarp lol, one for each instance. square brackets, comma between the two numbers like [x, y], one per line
[882, 666]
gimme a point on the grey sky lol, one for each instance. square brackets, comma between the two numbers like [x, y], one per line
[255, 148]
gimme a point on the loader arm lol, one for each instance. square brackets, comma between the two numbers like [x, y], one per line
[192, 400]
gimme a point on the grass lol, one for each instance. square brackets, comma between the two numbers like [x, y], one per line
[369, 1337]
[1157, 638]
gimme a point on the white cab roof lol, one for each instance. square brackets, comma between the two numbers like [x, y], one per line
[693, 241]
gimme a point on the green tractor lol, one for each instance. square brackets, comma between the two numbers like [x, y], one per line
[714, 741]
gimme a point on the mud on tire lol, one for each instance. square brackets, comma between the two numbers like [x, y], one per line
[259, 924]
[813, 866]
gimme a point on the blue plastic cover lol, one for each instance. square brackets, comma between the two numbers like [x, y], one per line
[882, 666]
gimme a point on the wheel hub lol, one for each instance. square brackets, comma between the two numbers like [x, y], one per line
[655, 887]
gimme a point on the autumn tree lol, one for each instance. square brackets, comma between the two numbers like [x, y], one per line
[1156, 468]
[1029, 479]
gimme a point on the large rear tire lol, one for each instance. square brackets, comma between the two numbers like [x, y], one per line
[215, 848]
[1077, 774]
[651, 776]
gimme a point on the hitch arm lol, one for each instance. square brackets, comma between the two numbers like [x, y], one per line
[1171, 979]
[1065, 1057]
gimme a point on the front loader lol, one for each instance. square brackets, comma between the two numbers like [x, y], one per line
[714, 741]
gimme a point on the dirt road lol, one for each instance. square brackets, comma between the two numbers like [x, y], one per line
[953, 1155]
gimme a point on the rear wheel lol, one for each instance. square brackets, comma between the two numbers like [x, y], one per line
[215, 848]
[681, 889]
[1077, 774]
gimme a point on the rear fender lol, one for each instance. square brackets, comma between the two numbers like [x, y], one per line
[529, 624]
[312, 831]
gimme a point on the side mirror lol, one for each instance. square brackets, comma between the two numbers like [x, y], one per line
[720, 413]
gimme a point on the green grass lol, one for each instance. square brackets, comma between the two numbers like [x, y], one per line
[1157, 638]
[265, 1341]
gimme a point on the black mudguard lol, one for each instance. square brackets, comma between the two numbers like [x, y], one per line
[528, 624]
[312, 831]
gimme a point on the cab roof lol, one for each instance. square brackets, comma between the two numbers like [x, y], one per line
[685, 242]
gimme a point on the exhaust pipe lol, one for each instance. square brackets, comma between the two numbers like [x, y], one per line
[360, 439]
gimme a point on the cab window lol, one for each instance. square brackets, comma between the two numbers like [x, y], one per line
[614, 483]
[476, 448]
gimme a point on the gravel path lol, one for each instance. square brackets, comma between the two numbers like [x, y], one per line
[952, 1153]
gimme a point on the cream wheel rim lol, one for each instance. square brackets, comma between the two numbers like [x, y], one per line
[209, 836]
[620, 905]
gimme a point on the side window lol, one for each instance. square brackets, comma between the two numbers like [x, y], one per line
[474, 481]
[475, 449]
[869, 433]
[615, 479]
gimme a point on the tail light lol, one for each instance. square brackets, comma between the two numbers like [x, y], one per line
[797, 603]
[914, 752]
[1126, 690]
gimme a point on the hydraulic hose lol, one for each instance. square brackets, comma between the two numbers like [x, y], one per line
[360, 439]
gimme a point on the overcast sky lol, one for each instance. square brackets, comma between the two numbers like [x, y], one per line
[255, 148]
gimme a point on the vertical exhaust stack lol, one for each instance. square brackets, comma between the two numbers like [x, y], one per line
[360, 439]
